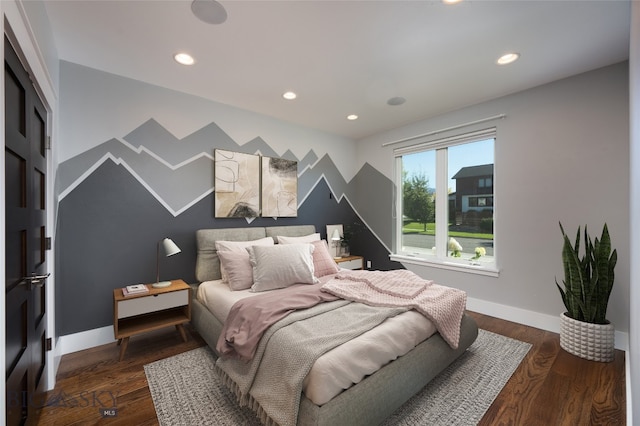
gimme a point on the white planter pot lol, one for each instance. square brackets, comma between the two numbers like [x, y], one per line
[595, 342]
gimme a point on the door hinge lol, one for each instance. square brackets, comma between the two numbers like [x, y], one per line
[48, 344]
[47, 243]
[48, 143]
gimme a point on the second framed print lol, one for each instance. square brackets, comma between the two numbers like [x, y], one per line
[279, 187]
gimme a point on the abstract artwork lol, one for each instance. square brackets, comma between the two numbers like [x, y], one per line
[279, 187]
[237, 184]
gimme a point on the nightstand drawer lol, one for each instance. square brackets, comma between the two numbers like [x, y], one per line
[152, 303]
[351, 262]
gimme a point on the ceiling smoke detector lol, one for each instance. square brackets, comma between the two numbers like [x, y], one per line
[209, 11]
[398, 100]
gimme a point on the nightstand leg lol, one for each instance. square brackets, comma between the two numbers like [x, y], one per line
[123, 347]
[182, 332]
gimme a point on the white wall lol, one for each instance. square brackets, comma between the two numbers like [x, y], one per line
[633, 359]
[561, 155]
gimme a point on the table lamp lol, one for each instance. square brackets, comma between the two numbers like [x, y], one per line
[169, 248]
[335, 237]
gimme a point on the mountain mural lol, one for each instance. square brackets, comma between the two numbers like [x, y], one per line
[179, 172]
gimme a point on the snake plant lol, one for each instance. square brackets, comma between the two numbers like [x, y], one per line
[588, 280]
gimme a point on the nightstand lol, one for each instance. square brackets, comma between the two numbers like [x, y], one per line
[157, 308]
[351, 262]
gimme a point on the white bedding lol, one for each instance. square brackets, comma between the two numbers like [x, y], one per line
[347, 364]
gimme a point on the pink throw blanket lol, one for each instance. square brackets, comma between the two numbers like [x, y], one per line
[249, 318]
[444, 306]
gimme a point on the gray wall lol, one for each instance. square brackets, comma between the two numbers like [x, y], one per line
[562, 154]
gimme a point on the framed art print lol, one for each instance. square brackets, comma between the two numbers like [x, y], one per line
[279, 187]
[237, 184]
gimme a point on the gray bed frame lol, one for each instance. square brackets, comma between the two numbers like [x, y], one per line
[376, 397]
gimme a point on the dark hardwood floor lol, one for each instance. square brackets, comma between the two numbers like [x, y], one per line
[553, 387]
[550, 387]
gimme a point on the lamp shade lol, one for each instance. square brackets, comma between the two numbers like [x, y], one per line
[170, 248]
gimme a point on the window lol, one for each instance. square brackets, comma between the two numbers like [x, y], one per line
[457, 233]
[480, 201]
[485, 183]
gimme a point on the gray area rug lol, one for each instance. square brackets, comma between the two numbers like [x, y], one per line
[186, 391]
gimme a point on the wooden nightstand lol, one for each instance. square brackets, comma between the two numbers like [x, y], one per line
[351, 262]
[160, 307]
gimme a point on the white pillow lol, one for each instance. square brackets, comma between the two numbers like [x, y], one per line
[298, 240]
[239, 247]
[281, 266]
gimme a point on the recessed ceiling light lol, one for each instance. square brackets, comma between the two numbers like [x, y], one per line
[289, 96]
[184, 58]
[451, 1]
[398, 100]
[507, 58]
[209, 11]
[352, 117]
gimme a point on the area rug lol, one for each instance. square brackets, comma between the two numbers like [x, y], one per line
[186, 390]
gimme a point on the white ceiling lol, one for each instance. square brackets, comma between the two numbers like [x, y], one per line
[347, 56]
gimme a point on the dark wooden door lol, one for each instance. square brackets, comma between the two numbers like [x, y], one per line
[25, 243]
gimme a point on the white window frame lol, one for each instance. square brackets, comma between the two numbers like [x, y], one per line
[441, 260]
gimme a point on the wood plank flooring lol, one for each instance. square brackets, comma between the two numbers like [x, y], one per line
[553, 387]
[550, 387]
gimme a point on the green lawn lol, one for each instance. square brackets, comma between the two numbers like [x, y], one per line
[418, 228]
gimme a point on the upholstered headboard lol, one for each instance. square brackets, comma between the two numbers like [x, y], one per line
[207, 261]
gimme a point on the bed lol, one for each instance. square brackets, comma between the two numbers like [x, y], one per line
[367, 402]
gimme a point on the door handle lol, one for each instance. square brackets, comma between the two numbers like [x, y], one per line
[36, 280]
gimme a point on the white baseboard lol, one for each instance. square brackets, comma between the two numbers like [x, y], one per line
[85, 340]
[532, 319]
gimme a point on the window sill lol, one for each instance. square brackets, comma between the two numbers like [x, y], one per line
[487, 270]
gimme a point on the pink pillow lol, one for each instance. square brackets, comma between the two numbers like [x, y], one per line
[239, 270]
[239, 247]
[323, 263]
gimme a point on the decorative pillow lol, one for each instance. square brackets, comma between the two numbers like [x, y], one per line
[239, 247]
[281, 266]
[238, 269]
[299, 240]
[323, 263]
